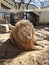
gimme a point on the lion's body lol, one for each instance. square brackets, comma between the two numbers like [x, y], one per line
[23, 35]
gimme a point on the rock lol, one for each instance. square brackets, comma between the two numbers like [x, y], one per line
[32, 58]
[4, 28]
[35, 57]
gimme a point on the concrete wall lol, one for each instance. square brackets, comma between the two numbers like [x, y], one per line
[8, 3]
[0, 13]
[44, 17]
[5, 4]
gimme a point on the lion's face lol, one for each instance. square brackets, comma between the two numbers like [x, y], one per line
[27, 32]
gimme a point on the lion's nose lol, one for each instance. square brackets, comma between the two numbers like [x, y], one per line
[29, 34]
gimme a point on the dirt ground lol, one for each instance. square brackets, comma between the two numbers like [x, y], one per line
[12, 55]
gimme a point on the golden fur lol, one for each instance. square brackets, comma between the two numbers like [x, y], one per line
[23, 35]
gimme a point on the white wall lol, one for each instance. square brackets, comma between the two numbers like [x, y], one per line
[44, 17]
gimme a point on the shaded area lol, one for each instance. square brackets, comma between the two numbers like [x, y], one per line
[9, 50]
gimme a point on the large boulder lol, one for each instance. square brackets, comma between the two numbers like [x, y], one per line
[4, 28]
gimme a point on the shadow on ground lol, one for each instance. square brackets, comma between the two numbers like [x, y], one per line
[9, 51]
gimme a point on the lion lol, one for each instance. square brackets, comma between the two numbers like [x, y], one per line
[23, 35]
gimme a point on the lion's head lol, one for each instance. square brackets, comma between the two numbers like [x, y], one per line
[23, 34]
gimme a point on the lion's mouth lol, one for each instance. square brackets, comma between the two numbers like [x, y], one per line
[29, 36]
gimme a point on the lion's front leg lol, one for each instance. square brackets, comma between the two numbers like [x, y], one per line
[37, 47]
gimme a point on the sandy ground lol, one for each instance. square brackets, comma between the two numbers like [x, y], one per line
[21, 57]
